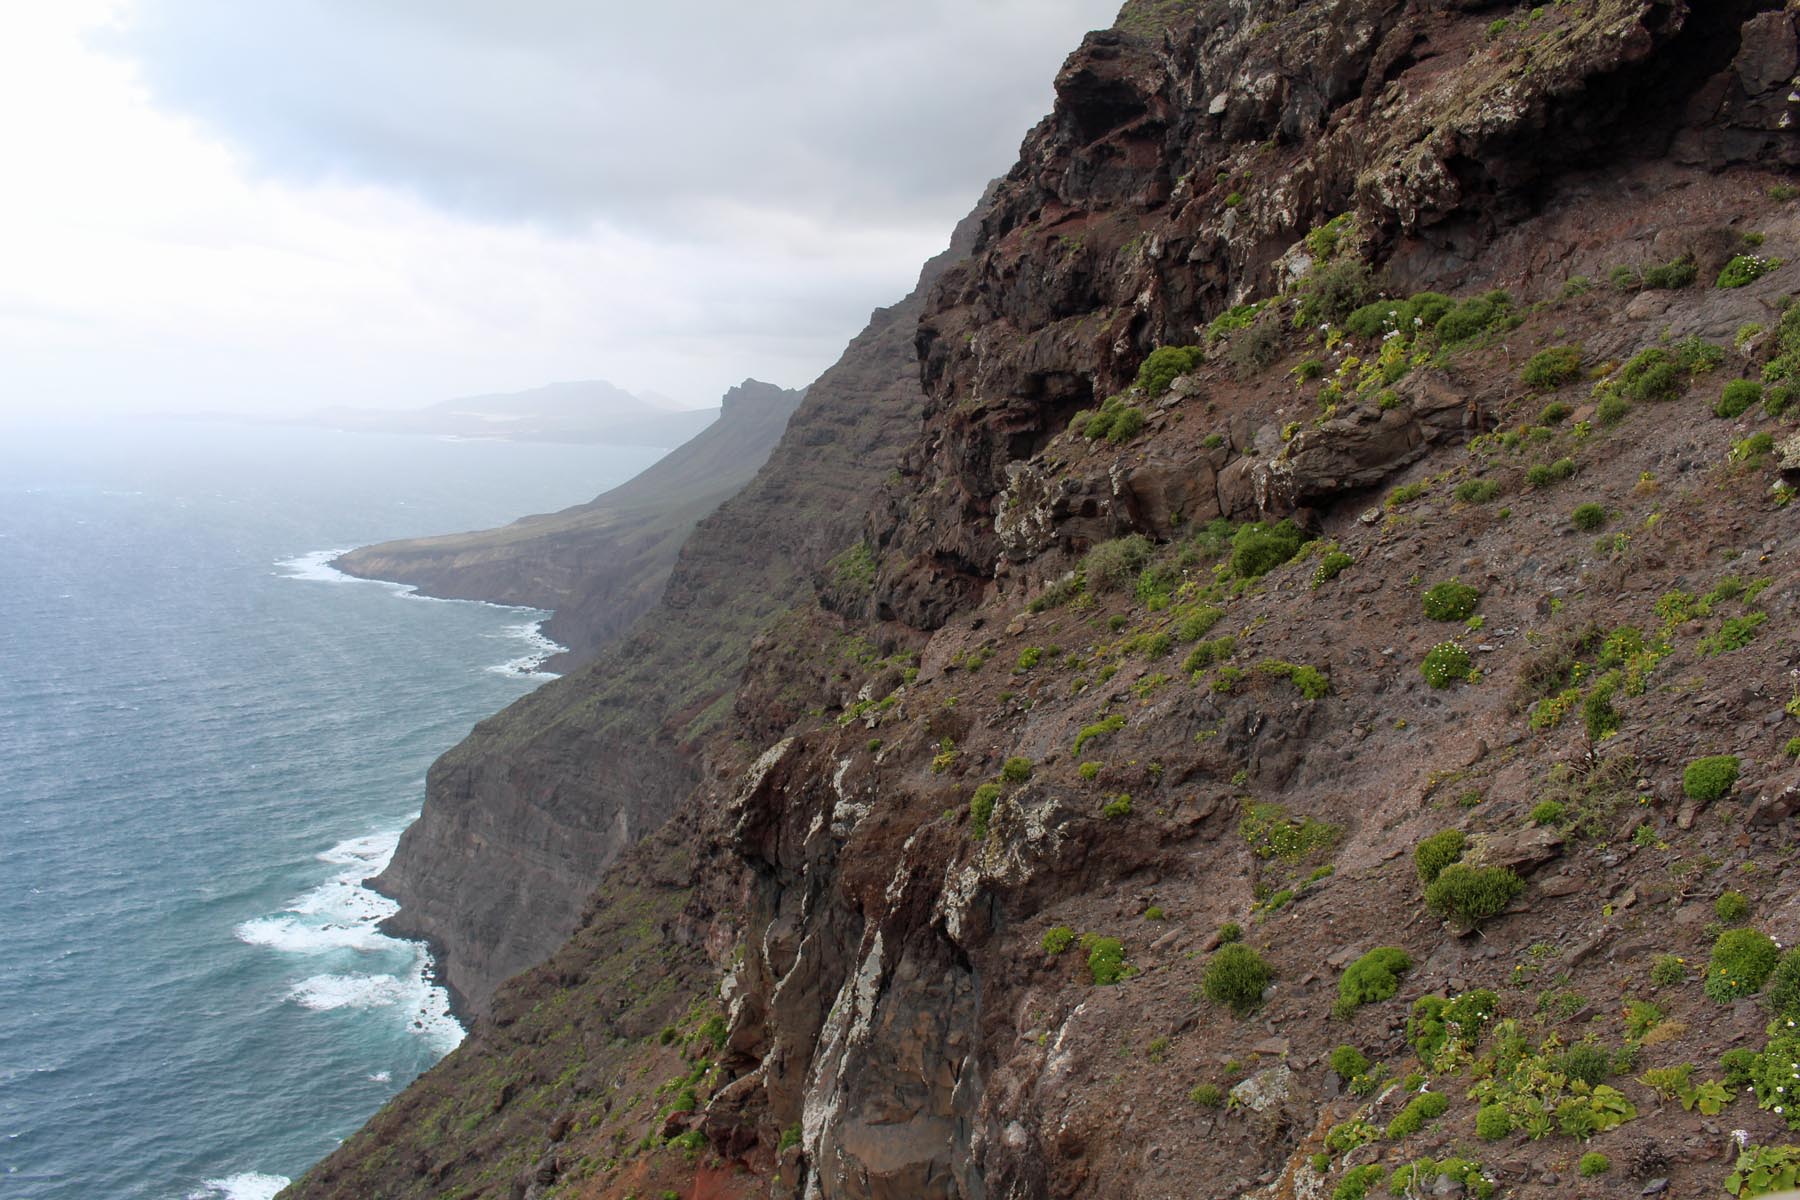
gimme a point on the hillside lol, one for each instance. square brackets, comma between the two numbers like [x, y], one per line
[602, 564]
[1313, 712]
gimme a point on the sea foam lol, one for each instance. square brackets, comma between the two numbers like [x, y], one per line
[248, 1186]
[339, 921]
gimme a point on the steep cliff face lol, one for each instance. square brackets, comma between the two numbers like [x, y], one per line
[600, 565]
[523, 817]
[1342, 593]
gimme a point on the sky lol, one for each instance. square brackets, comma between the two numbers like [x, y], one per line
[218, 206]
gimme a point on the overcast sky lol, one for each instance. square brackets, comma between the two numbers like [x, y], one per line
[213, 204]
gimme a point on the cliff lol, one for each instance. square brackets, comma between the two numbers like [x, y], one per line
[599, 565]
[1313, 712]
[522, 818]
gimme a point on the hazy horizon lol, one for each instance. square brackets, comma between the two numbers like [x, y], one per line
[391, 207]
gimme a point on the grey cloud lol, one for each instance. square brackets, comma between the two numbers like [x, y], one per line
[858, 115]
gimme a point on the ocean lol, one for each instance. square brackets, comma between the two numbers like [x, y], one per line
[208, 739]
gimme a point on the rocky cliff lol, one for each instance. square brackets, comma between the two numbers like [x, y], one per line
[1313, 712]
[523, 817]
[600, 565]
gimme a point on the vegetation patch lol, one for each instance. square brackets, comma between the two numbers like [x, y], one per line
[1451, 600]
[1711, 777]
[1372, 978]
[1470, 895]
[1236, 977]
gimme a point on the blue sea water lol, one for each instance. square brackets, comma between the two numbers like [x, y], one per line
[207, 740]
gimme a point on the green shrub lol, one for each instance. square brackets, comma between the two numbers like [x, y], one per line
[1554, 413]
[1611, 409]
[1109, 566]
[1358, 1182]
[1016, 770]
[1585, 1061]
[1547, 812]
[981, 808]
[1125, 425]
[1207, 1095]
[1104, 727]
[1236, 977]
[1493, 1122]
[1696, 355]
[1784, 986]
[1105, 958]
[1732, 908]
[1194, 624]
[1553, 367]
[1752, 448]
[1544, 474]
[1349, 1062]
[1058, 939]
[1477, 491]
[1436, 852]
[1474, 317]
[1259, 548]
[1437, 1024]
[1230, 932]
[1427, 1106]
[1742, 961]
[1670, 276]
[1593, 1163]
[1332, 291]
[1447, 663]
[1372, 978]
[1118, 806]
[1649, 375]
[1667, 970]
[1739, 397]
[1470, 895]
[1451, 600]
[1330, 567]
[1163, 364]
[1088, 770]
[1746, 269]
[1588, 517]
[1711, 777]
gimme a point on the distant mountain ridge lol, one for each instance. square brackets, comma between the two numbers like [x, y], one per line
[602, 564]
[589, 410]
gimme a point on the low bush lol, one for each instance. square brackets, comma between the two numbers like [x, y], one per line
[1552, 368]
[1667, 970]
[1544, 474]
[1470, 895]
[1058, 939]
[1739, 397]
[1372, 978]
[1588, 517]
[1436, 852]
[1473, 317]
[1118, 806]
[1207, 1095]
[1732, 908]
[1742, 961]
[1451, 600]
[1258, 548]
[1669, 276]
[1784, 986]
[1547, 812]
[1745, 269]
[1493, 1122]
[1105, 959]
[1649, 375]
[1447, 663]
[1477, 491]
[1427, 1106]
[1163, 364]
[1348, 1062]
[981, 809]
[1331, 292]
[1711, 777]
[1104, 727]
[1593, 1163]
[1236, 977]
[1109, 566]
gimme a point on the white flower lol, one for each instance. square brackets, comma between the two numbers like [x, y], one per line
[1741, 1137]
